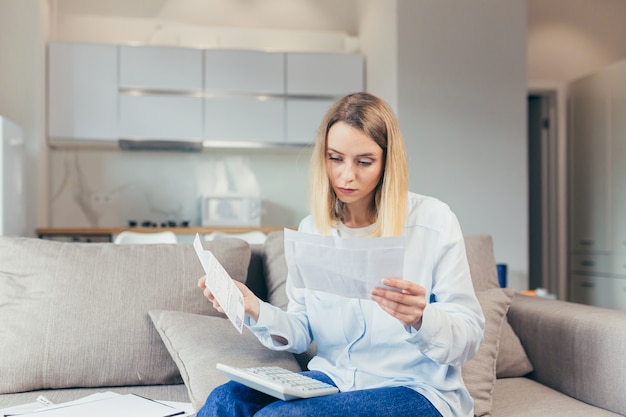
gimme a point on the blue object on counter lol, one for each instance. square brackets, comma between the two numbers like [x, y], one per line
[502, 271]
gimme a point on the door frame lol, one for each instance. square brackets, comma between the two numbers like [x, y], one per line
[555, 241]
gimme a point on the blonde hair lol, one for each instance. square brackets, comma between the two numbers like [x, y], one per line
[375, 118]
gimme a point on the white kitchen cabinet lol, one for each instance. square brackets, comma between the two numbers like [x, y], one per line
[172, 93]
[244, 72]
[160, 68]
[245, 118]
[167, 117]
[304, 117]
[597, 174]
[619, 293]
[82, 91]
[617, 161]
[592, 290]
[591, 263]
[161, 93]
[618, 264]
[589, 171]
[324, 74]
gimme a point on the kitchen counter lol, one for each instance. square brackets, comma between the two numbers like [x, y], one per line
[106, 234]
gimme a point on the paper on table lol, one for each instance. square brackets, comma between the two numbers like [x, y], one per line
[19, 410]
[349, 267]
[129, 405]
[221, 285]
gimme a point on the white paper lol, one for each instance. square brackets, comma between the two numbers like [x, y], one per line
[349, 267]
[20, 409]
[23, 409]
[221, 285]
[106, 405]
[37, 406]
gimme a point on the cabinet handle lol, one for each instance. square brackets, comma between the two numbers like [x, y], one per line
[587, 263]
[587, 284]
[586, 242]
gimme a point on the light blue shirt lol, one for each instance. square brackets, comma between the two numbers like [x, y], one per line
[360, 346]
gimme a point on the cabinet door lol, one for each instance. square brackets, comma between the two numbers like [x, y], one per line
[169, 117]
[324, 74]
[619, 293]
[248, 119]
[591, 263]
[304, 117]
[592, 290]
[246, 72]
[160, 68]
[617, 76]
[82, 91]
[590, 180]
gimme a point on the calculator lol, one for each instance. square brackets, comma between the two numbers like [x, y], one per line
[278, 382]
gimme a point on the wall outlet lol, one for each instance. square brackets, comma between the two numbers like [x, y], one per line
[100, 199]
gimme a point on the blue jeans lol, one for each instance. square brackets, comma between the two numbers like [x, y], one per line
[234, 399]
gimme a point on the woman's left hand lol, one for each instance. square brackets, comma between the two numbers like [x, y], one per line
[407, 303]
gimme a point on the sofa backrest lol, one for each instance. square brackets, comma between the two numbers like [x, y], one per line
[75, 314]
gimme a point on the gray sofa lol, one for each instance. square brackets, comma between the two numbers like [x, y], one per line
[82, 318]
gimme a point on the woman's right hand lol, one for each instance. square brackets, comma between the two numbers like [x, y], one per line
[251, 301]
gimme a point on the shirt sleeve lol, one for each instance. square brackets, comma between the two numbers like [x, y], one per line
[291, 325]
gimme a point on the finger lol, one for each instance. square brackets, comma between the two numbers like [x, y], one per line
[400, 302]
[208, 294]
[202, 281]
[392, 297]
[406, 287]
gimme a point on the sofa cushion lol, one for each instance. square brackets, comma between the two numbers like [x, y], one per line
[197, 343]
[75, 314]
[479, 373]
[276, 269]
[512, 360]
[523, 397]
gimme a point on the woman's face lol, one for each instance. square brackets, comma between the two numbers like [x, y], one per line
[354, 163]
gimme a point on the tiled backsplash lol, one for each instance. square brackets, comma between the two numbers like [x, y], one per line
[96, 188]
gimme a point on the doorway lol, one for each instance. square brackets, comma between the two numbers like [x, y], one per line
[546, 193]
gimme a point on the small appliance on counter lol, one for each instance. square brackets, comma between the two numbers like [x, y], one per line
[230, 210]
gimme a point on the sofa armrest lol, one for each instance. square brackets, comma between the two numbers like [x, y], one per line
[574, 348]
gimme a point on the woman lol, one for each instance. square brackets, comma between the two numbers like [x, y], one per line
[400, 353]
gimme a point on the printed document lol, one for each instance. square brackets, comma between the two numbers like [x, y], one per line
[105, 405]
[349, 267]
[221, 285]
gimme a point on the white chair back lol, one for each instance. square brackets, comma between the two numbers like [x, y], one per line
[250, 237]
[128, 237]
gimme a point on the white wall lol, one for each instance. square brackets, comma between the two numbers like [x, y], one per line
[378, 40]
[23, 32]
[462, 109]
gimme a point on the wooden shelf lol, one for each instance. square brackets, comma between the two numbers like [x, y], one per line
[86, 231]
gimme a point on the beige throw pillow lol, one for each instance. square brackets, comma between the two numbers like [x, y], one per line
[512, 359]
[479, 373]
[275, 267]
[76, 314]
[197, 343]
